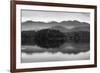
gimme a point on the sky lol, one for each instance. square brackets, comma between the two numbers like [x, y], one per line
[48, 16]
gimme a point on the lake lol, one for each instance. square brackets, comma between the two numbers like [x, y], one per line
[67, 52]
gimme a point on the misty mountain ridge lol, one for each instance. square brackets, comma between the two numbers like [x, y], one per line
[52, 22]
[63, 26]
[60, 28]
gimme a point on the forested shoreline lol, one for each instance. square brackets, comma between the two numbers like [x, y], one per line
[53, 36]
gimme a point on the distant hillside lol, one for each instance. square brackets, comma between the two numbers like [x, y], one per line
[60, 28]
[30, 25]
[82, 28]
[75, 29]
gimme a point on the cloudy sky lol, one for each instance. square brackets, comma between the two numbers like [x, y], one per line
[48, 16]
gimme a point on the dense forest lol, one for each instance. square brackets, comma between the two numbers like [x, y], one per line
[51, 38]
[27, 37]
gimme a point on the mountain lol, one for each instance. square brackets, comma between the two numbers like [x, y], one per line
[74, 23]
[60, 28]
[36, 25]
[83, 28]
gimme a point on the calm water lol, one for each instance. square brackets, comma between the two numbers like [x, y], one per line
[67, 52]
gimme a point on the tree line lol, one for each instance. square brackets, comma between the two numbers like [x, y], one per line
[53, 38]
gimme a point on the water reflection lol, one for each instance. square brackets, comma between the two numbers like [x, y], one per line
[68, 51]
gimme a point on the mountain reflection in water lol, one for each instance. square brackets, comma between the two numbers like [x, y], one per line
[67, 52]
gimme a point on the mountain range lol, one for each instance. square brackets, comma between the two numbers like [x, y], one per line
[64, 26]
